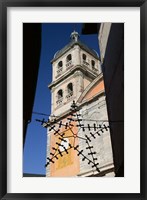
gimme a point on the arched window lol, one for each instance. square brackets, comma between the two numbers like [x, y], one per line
[93, 63]
[60, 94]
[69, 90]
[59, 68]
[68, 58]
[84, 56]
[59, 97]
[69, 61]
[60, 64]
[85, 61]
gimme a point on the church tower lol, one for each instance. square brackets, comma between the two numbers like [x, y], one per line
[74, 67]
[77, 81]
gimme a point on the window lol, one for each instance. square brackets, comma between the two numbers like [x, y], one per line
[93, 64]
[69, 58]
[60, 94]
[84, 57]
[59, 68]
[60, 64]
[69, 61]
[69, 91]
[70, 88]
[59, 97]
[85, 63]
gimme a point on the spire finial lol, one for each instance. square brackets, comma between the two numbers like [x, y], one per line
[74, 36]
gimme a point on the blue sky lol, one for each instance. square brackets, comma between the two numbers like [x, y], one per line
[54, 37]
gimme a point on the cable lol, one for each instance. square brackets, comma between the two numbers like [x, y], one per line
[37, 113]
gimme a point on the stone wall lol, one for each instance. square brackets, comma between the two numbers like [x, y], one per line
[96, 112]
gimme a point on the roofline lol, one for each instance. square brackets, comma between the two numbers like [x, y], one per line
[91, 85]
[76, 43]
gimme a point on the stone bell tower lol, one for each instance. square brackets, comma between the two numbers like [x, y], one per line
[74, 67]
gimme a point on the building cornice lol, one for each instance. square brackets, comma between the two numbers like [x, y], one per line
[88, 72]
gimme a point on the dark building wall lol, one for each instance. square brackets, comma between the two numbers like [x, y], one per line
[113, 70]
[31, 59]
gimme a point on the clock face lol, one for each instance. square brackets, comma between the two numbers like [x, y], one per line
[65, 144]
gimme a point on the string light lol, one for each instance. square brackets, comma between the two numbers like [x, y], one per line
[75, 120]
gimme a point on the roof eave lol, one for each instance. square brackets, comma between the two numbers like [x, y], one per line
[70, 46]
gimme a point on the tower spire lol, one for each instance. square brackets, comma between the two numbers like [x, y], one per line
[74, 36]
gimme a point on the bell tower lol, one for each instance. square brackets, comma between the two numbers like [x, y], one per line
[74, 67]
